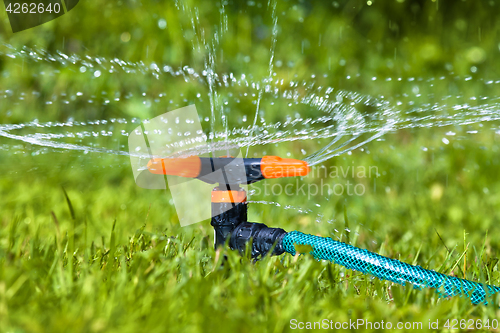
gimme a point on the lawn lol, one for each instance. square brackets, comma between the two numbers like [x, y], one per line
[84, 249]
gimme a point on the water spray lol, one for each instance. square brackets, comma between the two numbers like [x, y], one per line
[229, 219]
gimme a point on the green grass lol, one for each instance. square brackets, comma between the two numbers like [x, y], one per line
[84, 249]
[133, 268]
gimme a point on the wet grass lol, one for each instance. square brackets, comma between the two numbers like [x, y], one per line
[96, 255]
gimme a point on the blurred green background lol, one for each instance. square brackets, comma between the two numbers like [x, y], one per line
[82, 248]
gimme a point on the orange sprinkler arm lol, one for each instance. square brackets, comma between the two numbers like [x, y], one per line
[188, 167]
[277, 167]
[204, 168]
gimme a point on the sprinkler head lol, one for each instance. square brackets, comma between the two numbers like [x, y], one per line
[204, 168]
[229, 201]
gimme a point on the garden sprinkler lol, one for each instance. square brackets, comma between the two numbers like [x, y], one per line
[229, 218]
[229, 200]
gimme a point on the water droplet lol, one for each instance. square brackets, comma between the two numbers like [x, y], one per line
[162, 24]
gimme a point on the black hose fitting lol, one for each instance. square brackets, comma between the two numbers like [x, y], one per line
[263, 238]
[231, 222]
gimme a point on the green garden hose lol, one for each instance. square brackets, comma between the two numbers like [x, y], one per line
[384, 268]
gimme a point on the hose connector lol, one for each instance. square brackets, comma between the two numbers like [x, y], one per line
[229, 209]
